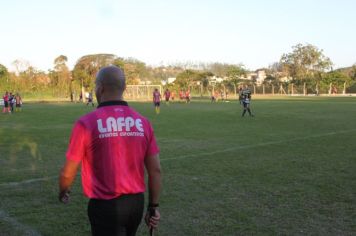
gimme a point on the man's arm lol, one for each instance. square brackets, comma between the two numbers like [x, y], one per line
[153, 167]
[66, 179]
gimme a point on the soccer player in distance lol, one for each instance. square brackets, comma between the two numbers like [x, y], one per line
[157, 100]
[246, 99]
[18, 102]
[114, 144]
[187, 96]
[6, 103]
[167, 95]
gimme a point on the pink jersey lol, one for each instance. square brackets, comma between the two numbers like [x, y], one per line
[156, 96]
[112, 143]
[6, 98]
[167, 94]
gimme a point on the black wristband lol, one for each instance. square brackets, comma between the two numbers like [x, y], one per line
[153, 205]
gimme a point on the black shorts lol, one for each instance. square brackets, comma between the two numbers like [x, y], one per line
[157, 104]
[245, 104]
[116, 217]
[167, 99]
[18, 105]
[6, 104]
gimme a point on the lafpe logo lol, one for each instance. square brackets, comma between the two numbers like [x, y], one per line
[121, 126]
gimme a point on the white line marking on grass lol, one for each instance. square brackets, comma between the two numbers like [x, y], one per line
[24, 229]
[257, 145]
[29, 181]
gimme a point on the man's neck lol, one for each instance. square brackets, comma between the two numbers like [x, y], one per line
[111, 98]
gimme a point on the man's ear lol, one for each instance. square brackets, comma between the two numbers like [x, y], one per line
[99, 89]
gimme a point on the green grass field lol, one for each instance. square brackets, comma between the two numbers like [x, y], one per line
[291, 170]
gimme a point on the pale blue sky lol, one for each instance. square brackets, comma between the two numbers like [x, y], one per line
[253, 32]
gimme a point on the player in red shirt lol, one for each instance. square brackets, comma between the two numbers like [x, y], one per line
[172, 95]
[113, 144]
[187, 96]
[6, 103]
[167, 95]
[181, 95]
[157, 100]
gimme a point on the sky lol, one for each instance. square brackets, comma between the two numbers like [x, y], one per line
[159, 32]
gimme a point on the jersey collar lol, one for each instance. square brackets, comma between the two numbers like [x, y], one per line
[113, 103]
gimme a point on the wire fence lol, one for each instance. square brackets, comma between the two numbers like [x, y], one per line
[226, 91]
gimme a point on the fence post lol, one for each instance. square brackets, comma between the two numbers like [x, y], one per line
[344, 92]
[263, 89]
[330, 88]
[254, 89]
[83, 92]
[235, 90]
[304, 89]
[292, 89]
[272, 89]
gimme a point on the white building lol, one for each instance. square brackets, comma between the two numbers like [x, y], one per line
[261, 76]
[168, 81]
[214, 79]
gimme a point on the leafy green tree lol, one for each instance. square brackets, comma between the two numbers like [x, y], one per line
[305, 62]
[185, 78]
[61, 76]
[353, 72]
[189, 77]
[4, 74]
[337, 78]
[134, 69]
[235, 72]
[226, 70]
[87, 67]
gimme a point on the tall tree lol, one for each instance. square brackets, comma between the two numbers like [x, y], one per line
[20, 65]
[189, 77]
[305, 62]
[134, 69]
[353, 72]
[235, 72]
[61, 75]
[85, 69]
[4, 74]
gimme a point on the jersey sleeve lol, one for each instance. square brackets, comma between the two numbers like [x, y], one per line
[77, 143]
[152, 148]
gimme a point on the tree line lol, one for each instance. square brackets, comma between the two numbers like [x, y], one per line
[304, 64]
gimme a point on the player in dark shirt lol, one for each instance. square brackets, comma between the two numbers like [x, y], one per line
[246, 99]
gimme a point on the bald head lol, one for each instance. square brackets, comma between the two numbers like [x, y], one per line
[112, 78]
[110, 83]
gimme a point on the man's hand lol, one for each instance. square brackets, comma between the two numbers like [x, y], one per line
[66, 178]
[64, 196]
[152, 218]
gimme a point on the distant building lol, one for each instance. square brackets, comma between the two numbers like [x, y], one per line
[261, 76]
[285, 79]
[168, 81]
[251, 76]
[258, 76]
[214, 79]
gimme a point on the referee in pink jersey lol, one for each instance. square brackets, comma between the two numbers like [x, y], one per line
[114, 144]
